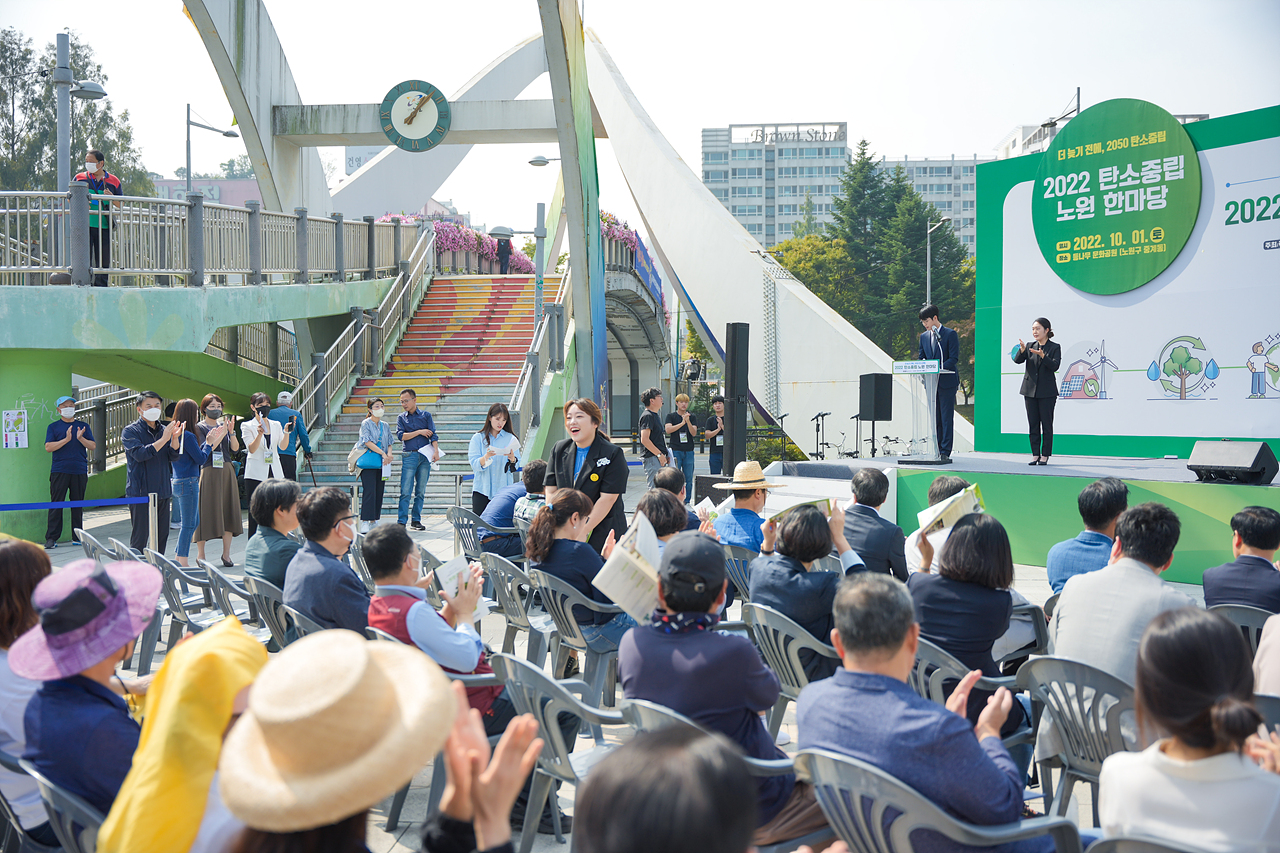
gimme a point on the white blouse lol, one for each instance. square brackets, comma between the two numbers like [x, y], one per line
[255, 466]
[1222, 804]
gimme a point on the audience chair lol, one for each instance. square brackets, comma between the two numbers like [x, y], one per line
[182, 615]
[225, 593]
[1039, 624]
[356, 560]
[534, 692]
[737, 563]
[828, 564]
[1051, 604]
[780, 641]
[122, 551]
[599, 669]
[935, 669]
[1269, 707]
[93, 549]
[302, 623]
[193, 601]
[522, 526]
[296, 535]
[508, 581]
[74, 821]
[430, 562]
[1140, 844]
[1248, 619]
[873, 812]
[464, 523]
[1085, 705]
[269, 599]
[15, 838]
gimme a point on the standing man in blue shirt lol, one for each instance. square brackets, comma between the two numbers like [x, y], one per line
[1100, 504]
[938, 343]
[282, 415]
[149, 451]
[416, 430]
[69, 440]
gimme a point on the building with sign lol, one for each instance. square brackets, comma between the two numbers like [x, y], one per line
[948, 183]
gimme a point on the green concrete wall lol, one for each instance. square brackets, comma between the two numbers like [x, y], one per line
[551, 428]
[1039, 512]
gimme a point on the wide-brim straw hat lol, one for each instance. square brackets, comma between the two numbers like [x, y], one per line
[335, 724]
[747, 475]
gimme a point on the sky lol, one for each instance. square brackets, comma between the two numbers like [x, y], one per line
[917, 77]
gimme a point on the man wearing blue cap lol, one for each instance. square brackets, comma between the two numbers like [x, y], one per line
[70, 441]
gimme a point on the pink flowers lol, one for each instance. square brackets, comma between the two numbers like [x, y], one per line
[615, 229]
[452, 237]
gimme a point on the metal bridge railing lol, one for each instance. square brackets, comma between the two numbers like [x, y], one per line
[545, 355]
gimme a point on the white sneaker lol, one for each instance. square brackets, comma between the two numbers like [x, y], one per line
[783, 738]
[366, 526]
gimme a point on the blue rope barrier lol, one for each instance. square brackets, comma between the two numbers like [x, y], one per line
[72, 504]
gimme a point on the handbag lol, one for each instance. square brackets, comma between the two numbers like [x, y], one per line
[355, 454]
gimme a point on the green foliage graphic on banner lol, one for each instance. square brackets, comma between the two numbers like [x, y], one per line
[1116, 196]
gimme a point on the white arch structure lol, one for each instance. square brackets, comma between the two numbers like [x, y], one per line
[805, 357]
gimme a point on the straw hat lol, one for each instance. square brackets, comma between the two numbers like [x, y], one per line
[335, 724]
[747, 475]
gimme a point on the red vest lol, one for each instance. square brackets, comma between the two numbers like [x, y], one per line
[390, 613]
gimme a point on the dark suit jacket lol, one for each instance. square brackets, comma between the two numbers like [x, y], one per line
[1249, 580]
[1040, 381]
[878, 541]
[950, 355]
[604, 471]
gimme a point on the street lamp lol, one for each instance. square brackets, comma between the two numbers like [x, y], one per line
[539, 236]
[542, 161]
[228, 133]
[65, 86]
[928, 258]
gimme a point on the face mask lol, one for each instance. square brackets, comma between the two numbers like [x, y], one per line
[152, 415]
[264, 410]
[378, 412]
[348, 529]
[91, 167]
[213, 414]
[68, 412]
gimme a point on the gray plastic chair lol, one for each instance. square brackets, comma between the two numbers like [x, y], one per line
[1140, 844]
[1051, 604]
[508, 581]
[465, 522]
[934, 666]
[430, 562]
[358, 565]
[302, 623]
[534, 692]
[122, 551]
[873, 812]
[269, 599]
[15, 838]
[598, 668]
[1085, 705]
[1039, 624]
[74, 821]
[1269, 707]
[780, 641]
[737, 564]
[1250, 621]
[183, 615]
[93, 549]
[225, 593]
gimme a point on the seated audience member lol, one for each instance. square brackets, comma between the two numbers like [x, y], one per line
[557, 544]
[1101, 615]
[665, 511]
[500, 512]
[940, 489]
[169, 800]
[79, 732]
[1200, 786]
[878, 541]
[965, 608]
[672, 480]
[381, 711]
[535, 497]
[317, 583]
[787, 582]
[740, 526]
[1266, 662]
[715, 679]
[22, 566]
[1100, 504]
[399, 607]
[274, 506]
[1252, 579]
[867, 711]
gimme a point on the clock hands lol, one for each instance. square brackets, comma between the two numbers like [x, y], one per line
[421, 103]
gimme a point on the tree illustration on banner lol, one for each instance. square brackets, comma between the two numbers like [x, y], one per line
[1181, 365]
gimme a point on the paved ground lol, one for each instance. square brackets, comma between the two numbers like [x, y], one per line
[438, 538]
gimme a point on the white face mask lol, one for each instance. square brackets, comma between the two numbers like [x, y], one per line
[67, 412]
[152, 415]
[91, 167]
[378, 411]
[348, 529]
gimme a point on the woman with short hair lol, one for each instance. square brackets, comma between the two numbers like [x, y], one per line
[592, 464]
[1202, 785]
[220, 514]
[274, 506]
[264, 438]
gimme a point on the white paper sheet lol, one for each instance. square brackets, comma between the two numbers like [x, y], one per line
[630, 576]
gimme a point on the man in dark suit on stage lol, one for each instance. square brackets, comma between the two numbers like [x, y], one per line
[1252, 578]
[878, 541]
[938, 343]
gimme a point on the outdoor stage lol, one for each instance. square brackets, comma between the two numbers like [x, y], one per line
[1038, 504]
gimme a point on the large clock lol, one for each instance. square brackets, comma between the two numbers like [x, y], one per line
[414, 115]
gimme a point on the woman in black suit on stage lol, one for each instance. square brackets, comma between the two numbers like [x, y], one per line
[589, 462]
[1040, 387]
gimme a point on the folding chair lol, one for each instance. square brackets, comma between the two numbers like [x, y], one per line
[182, 615]
[464, 523]
[74, 821]
[780, 641]
[225, 593]
[598, 668]
[1250, 621]
[16, 839]
[1039, 624]
[269, 599]
[93, 549]
[508, 581]
[122, 551]
[302, 623]
[358, 565]
[737, 563]
[935, 666]
[873, 812]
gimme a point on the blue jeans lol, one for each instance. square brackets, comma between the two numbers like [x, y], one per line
[683, 459]
[186, 494]
[415, 470]
[605, 638]
[1259, 380]
[716, 460]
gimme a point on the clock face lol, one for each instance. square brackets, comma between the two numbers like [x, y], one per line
[414, 115]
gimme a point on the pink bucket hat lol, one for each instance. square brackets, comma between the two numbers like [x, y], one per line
[87, 611]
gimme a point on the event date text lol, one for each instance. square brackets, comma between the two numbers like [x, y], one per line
[1253, 210]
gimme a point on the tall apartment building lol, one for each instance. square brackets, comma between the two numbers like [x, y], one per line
[948, 183]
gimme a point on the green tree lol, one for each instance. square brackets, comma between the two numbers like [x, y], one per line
[824, 266]
[693, 345]
[181, 174]
[530, 248]
[808, 223]
[966, 326]
[237, 168]
[30, 130]
[1182, 365]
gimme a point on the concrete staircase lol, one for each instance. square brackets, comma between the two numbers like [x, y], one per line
[462, 352]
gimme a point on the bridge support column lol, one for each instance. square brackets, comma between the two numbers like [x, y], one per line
[255, 241]
[303, 272]
[372, 243]
[80, 274]
[195, 239]
[339, 251]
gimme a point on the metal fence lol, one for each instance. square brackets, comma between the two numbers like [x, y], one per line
[545, 355]
[33, 236]
[266, 348]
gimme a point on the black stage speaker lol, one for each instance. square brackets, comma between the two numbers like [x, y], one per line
[1250, 462]
[736, 400]
[876, 390]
